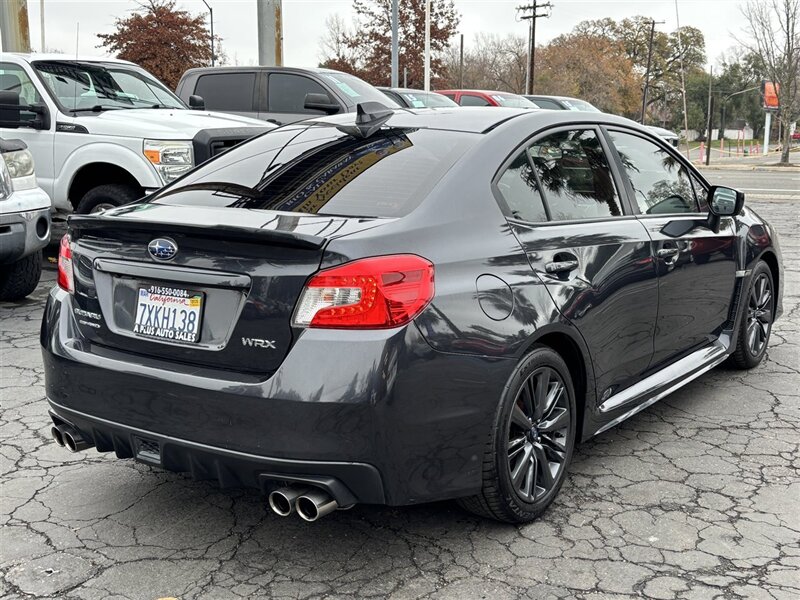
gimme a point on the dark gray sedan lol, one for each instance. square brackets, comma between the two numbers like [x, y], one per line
[400, 307]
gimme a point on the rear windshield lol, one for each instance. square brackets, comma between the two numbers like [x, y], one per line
[320, 170]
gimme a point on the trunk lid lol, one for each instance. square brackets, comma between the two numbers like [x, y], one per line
[242, 270]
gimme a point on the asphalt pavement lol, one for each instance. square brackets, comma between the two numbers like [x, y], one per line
[697, 497]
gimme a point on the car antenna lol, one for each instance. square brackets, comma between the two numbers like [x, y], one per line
[370, 116]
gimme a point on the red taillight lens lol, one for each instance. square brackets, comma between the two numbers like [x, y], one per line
[371, 293]
[65, 279]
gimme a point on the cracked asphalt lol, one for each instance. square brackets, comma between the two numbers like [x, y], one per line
[697, 497]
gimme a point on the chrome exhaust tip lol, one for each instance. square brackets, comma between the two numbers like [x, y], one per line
[73, 440]
[315, 505]
[282, 501]
[57, 436]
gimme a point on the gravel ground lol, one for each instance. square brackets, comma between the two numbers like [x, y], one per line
[697, 497]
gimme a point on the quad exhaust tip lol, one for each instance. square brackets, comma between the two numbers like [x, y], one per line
[57, 436]
[283, 501]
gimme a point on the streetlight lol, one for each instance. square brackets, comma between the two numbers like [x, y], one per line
[211, 21]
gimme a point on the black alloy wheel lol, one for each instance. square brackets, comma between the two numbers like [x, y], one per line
[758, 305]
[538, 430]
[531, 443]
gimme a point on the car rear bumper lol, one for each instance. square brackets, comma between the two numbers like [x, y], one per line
[379, 412]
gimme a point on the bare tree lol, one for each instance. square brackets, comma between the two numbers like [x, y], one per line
[774, 29]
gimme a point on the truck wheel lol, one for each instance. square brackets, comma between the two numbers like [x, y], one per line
[19, 279]
[106, 196]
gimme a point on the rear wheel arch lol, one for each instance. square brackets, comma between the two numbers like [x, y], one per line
[572, 350]
[96, 174]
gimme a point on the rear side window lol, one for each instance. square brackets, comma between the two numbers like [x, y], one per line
[548, 104]
[319, 169]
[287, 93]
[520, 190]
[227, 91]
[660, 182]
[574, 176]
[470, 100]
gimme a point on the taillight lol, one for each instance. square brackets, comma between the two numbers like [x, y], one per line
[65, 279]
[371, 293]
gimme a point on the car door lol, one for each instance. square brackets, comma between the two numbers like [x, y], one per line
[586, 246]
[41, 142]
[229, 91]
[286, 96]
[697, 266]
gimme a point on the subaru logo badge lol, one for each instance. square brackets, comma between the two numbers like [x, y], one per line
[162, 249]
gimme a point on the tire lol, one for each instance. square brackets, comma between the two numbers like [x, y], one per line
[19, 279]
[106, 196]
[758, 312]
[511, 449]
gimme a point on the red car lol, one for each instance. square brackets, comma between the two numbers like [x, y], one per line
[487, 98]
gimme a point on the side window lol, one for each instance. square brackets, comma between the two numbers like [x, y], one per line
[660, 182]
[231, 92]
[700, 192]
[14, 79]
[548, 104]
[575, 176]
[470, 100]
[451, 96]
[520, 190]
[287, 93]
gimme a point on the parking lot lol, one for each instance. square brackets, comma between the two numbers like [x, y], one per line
[696, 497]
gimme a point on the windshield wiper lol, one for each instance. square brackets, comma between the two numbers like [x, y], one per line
[98, 108]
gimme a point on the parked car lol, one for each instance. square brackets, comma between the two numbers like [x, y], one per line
[103, 131]
[279, 95]
[404, 306]
[562, 103]
[486, 98]
[24, 222]
[411, 98]
[665, 134]
[567, 103]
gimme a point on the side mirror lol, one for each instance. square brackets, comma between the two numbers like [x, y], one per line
[11, 112]
[9, 109]
[197, 102]
[723, 202]
[321, 102]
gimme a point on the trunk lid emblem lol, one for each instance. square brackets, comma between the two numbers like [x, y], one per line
[162, 249]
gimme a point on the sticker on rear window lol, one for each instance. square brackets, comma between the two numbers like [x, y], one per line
[344, 87]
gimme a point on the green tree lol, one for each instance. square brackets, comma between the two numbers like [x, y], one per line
[162, 39]
[365, 48]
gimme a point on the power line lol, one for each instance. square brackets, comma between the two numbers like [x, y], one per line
[531, 12]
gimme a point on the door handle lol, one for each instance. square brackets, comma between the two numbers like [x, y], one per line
[561, 266]
[274, 121]
[666, 252]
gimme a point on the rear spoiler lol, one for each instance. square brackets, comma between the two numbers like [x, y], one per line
[107, 224]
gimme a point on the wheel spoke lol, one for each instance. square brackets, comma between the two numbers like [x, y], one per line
[519, 418]
[751, 333]
[544, 466]
[515, 446]
[530, 478]
[521, 467]
[528, 396]
[557, 419]
[765, 300]
[542, 389]
[552, 443]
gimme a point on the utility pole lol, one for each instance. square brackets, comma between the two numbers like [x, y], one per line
[653, 23]
[211, 23]
[14, 26]
[710, 112]
[461, 65]
[531, 13]
[427, 45]
[41, 25]
[270, 32]
[395, 44]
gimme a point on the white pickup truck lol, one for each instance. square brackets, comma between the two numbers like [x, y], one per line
[104, 131]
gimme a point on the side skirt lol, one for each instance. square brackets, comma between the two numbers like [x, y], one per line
[652, 389]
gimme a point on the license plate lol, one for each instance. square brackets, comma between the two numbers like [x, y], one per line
[171, 314]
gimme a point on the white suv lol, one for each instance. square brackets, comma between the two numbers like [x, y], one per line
[104, 131]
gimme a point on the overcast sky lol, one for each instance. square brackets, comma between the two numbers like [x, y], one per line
[304, 22]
